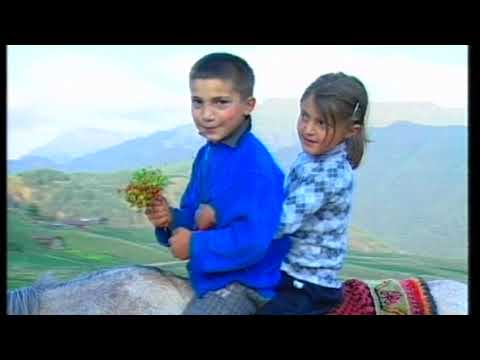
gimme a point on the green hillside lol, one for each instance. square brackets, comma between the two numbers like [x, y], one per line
[414, 193]
[84, 250]
[39, 198]
[100, 247]
[390, 265]
[88, 195]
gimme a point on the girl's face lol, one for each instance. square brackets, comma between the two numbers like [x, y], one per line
[217, 109]
[315, 135]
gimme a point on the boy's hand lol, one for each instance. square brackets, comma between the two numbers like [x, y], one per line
[180, 243]
[158, 213]
[205, 217]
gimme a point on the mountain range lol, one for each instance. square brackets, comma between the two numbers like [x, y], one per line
[411, 187]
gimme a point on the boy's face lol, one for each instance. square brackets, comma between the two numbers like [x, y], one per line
[315, 135]
[217, 109]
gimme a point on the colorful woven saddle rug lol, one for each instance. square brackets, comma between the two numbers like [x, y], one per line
[386, 297]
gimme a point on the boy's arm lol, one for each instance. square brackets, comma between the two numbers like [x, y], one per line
[247, 238]
[163, 235]
[183, 216]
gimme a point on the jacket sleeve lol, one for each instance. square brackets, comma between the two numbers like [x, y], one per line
[255, 206]
[183, 216]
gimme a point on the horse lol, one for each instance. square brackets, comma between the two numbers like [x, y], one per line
[148, 290]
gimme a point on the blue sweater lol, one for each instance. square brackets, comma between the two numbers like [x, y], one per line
[245, 187]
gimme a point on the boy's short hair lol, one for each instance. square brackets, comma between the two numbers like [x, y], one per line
[226, 67]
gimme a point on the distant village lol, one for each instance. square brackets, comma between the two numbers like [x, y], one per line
[77, 223]
[57, 242]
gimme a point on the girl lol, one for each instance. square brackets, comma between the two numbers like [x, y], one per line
[317, 207]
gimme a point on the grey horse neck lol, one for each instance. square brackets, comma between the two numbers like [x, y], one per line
[127, 290]
[143, 290]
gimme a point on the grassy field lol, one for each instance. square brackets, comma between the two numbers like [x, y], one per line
[84, 250]
[370, 266]
[128, 238]
[100, 246]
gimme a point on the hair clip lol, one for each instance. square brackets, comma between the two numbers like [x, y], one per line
[356, 108]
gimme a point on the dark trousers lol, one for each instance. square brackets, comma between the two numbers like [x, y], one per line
[304, 299]
[235, 299]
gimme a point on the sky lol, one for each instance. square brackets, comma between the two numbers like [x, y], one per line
[139, 89]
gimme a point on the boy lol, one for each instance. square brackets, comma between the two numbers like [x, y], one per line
[231, 208]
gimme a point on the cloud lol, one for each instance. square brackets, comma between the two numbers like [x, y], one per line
[55, 94]
[143, 89]
[22, 141]
[286, 71]
[79, 81]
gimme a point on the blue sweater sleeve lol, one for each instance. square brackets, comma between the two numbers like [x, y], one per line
[183, 216]
[163, 235]
[255, 205]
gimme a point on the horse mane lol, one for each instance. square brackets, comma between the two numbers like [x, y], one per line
[161, 271]
[26, 300]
